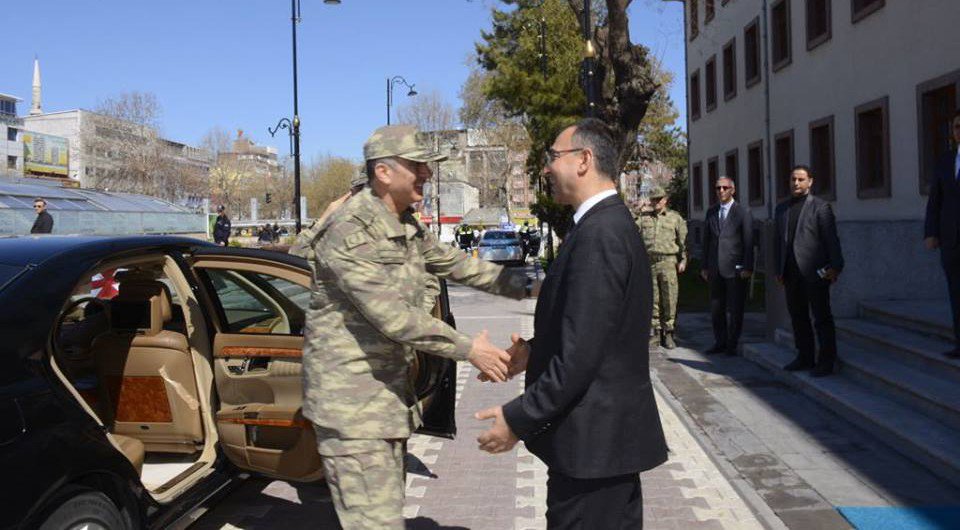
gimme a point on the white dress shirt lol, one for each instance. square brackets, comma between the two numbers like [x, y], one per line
[956, 165]
[724, 210]
[590, 203]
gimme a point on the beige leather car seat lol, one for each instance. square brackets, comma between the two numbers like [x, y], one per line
[132, 449]
[147, 381]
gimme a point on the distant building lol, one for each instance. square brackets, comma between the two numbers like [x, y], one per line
[859, 90]
[11, 147]
[256, 160]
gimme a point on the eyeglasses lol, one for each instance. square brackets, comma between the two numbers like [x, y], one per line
[724, 188]
[553, 154]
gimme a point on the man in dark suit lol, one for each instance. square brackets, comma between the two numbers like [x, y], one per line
[942, 226]
[727, 264]
[808, 261]
[588, 410]
[43, 224]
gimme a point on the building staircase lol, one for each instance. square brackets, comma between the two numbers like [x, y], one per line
[893, 379]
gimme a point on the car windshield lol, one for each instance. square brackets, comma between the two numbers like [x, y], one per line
[7, 274]
[499, 239]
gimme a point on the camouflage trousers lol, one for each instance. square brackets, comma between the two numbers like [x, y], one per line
[366, 479]
[666, 287]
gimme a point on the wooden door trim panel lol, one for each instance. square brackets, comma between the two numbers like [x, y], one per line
[258, 351]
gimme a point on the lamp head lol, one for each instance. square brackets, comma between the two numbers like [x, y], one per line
[332, 2]
[412, 92]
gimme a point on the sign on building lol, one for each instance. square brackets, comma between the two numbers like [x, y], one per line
[44, 154]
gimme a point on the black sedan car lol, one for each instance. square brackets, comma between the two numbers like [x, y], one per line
[145, 375]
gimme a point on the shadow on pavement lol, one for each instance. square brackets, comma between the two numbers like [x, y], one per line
[425, 523]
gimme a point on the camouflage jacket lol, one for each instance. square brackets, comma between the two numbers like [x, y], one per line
[367, 317]
[664, 233]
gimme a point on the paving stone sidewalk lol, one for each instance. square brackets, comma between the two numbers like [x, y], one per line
[452, 485]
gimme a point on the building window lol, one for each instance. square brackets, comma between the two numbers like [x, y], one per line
[694, 18]
[819, 28]
[859, 9]
[873, 149]
[751, 53]
[11, 162]
[937, 101]
[755, 173]
[731, 167]
[730, 70]
[697, 173]
[8, 107]
[11, 134]
[710, 11]
[713, 173]
[695, 95]
[780, 34]
[783, 162]
[711, 80]
[822, 158]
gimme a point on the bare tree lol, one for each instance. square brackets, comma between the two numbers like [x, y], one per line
[327, 179]
[429, 112]
[127, 153]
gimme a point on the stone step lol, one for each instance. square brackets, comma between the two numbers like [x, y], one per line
[935, 391]
[930, 317]
[921, 438]
[916, 349]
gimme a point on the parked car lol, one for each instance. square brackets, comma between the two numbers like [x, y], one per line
[501, 246]
[145, 375]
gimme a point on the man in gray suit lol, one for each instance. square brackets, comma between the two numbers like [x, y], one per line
[942, 226]
[726, 264]
[808, 261]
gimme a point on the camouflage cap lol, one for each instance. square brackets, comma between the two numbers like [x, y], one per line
[400, 141]
[656, 192]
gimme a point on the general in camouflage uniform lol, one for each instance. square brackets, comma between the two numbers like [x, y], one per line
[664, 233]
[366, 318]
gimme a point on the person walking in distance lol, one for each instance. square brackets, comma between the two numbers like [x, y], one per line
[727, 264]
[664, 234]
[221, 229]
[942, 226]
[808, 261]
[43, 224]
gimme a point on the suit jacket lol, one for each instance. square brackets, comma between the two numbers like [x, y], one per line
[943, 205]
[43, 224]
[588, 410]
[724, 249]
[815, 244]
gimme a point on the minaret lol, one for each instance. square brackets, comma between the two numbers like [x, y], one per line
[35, 109]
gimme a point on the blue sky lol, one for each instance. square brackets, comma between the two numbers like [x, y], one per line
[227, 63]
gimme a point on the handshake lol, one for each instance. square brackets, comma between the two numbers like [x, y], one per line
[495, 364]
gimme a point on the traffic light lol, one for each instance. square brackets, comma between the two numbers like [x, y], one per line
[267, 199]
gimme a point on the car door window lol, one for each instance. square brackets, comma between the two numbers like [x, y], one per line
[257, 303]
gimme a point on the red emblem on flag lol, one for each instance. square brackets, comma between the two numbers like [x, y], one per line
[103, 285]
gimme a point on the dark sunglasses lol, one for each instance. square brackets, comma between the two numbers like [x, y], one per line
[724, 188]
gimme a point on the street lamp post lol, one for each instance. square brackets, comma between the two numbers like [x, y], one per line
[390, 84]
[453, 152]
[294, 125]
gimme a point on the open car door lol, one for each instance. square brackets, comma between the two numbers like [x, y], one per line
[259, 299]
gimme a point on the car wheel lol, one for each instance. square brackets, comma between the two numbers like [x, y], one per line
[86, 510]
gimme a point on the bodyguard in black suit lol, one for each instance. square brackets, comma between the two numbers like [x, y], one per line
[588, 410]
[942, 226]
[808, 261]
[726, 264]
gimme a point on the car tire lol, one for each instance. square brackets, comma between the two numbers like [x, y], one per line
[85, 509]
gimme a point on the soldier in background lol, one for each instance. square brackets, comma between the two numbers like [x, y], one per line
[664, 233]
[221, 230]
[366, 319]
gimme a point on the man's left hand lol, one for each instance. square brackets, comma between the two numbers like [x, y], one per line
[682, 266]
[831, 274]
[499, 438]
[746, 274]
